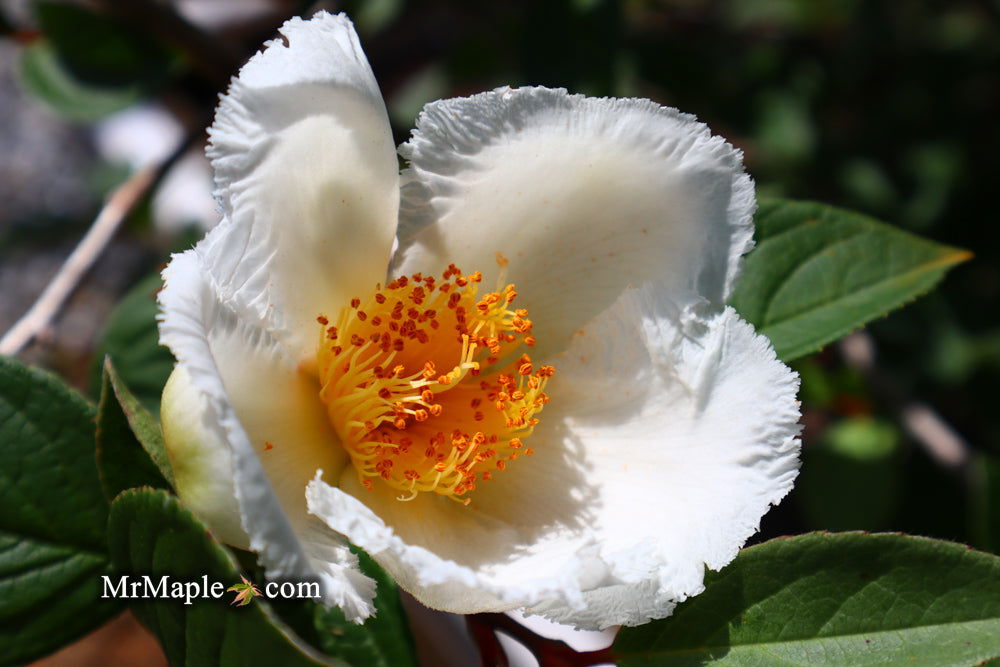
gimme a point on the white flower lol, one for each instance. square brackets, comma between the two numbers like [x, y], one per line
[669, 429]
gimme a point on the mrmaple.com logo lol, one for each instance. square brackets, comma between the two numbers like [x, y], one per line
[167, 588]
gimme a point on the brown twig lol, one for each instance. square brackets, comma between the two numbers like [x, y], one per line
[548, 652]
[120, 203]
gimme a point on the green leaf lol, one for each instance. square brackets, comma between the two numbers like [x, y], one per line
[843, 599]
[130, 449]
[99, 50]
[131, 339]
[52, 516]
[820, 272]
[150, 533]
[45, 76]
[383, 641]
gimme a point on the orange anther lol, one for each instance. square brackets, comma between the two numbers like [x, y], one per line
[408, 323]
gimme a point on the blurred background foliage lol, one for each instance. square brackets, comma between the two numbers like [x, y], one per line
[889, 108]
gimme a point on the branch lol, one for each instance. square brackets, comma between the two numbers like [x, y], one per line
[119, 204]
[548, 652]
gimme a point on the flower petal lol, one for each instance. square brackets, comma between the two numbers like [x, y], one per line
[200, 460]
[457, 558]
[584, 196]
[239, 400]
[689, 427]
[306, 169]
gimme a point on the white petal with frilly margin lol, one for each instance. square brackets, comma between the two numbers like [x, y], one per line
[244, 382]
[688, 428]
[305, 168]
[584, 196]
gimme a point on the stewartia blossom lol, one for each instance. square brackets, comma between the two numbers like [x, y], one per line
[528, 394]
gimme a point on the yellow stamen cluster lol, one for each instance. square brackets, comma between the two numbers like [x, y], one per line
[424, 383]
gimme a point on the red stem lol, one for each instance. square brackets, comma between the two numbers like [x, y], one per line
[548, 652]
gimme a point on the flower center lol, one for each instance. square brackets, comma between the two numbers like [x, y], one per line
[425, 384]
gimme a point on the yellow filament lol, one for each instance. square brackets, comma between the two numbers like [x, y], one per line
[419, 384]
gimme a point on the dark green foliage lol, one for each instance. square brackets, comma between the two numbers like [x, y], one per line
[150, 533]
[130, 449]
[52, 516]
[821, 599]
[820, 272]
[131, 341]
